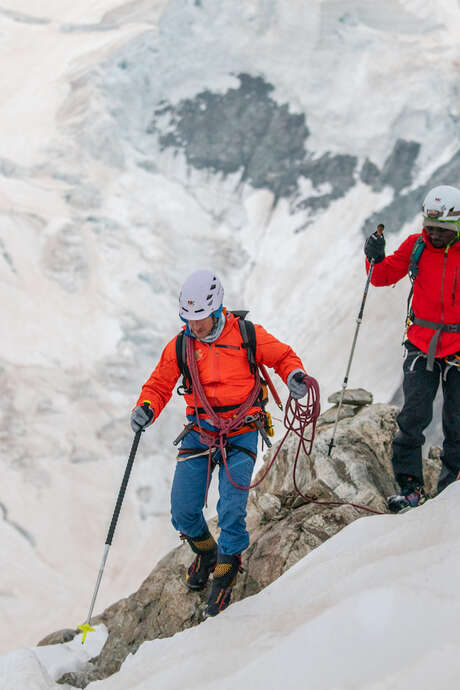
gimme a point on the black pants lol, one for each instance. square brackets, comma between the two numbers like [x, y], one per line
[420, 387]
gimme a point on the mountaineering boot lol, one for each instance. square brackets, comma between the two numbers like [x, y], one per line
[224, 578]
[446, 477]
[412, 495]
[206, 549]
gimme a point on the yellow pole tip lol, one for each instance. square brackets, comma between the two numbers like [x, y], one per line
[85, 628]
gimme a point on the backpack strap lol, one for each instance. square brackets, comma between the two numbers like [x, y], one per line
[181, 355]
[417, 251]
[248, 333]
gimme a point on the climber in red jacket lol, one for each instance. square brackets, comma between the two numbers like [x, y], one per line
[432, 260]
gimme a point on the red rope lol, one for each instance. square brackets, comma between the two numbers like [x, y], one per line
[223, 425]
[298, 417]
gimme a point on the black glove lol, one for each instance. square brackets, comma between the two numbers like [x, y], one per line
[374, 248]
[141, 417]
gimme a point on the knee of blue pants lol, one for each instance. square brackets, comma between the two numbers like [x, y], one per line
[188, 492]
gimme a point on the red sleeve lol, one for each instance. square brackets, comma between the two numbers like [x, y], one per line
[395, 266]
[273, 353]
[159, 387]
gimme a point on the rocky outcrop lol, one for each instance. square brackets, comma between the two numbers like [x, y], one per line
[284, 526]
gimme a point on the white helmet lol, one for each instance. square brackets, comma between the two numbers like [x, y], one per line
[441, 208]
[201, 295]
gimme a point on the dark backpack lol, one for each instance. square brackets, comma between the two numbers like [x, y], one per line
[248, 334]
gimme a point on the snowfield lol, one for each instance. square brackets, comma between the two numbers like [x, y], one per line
[372, 607]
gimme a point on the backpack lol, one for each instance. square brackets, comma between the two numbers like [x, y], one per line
[248, 335]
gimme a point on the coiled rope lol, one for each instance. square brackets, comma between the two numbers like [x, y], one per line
[299, 417]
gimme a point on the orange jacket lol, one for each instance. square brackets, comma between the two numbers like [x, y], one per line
[223, 368]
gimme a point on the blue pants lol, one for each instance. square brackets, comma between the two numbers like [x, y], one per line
[189, 491]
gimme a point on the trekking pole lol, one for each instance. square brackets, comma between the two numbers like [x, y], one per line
[86, 627]
[358, 324]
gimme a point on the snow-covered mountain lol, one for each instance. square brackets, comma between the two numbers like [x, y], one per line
[145, 139]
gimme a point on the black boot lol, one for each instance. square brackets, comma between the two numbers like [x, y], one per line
[412, 495]
[223, 580]
[446, 477]
[206, 549]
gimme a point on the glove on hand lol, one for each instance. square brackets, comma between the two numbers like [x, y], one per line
[296, 384]
[141, 418]
[374, 248]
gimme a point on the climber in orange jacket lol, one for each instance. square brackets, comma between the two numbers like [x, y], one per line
[220, 387]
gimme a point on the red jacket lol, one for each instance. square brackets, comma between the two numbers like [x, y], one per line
[224, 371]
[436, 290]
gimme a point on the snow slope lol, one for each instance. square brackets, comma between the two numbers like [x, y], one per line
[375, 607]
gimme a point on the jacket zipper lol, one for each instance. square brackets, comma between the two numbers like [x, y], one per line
[442, 285]
[454, 286]
[215, 366]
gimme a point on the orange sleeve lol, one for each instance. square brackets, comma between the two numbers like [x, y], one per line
[275, 354]
[159, 386]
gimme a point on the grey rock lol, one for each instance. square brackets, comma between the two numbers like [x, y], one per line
[431, 468]
[245, 129]
[370, 174]
[329, 416]
[434, 453]
[269, 505]
[59, 637]
[406, 206]
[352, 396]
[398, 168]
